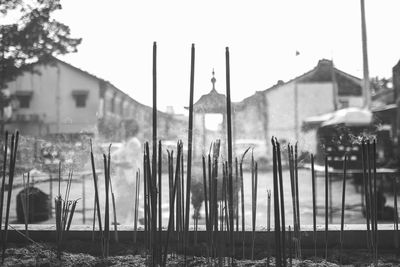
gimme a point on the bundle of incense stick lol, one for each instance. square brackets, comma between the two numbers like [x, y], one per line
[107, 206]
[229, 139]
[293, 172]
[214, 214]
[65, 210]
[254, 184]
[11, 170]
[174, 190]
[152, 210]
[97, 201]
[116, 238]
[205, 197]
[370, 190]
[282, 199]
[242, 200]
[278, 236]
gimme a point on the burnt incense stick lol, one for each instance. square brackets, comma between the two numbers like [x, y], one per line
[375, 203]
[107, 208]
[314, 206]
[145, 196]
[326, 206]
[155, 258]
[282, 200]
[229, 137]
[159, 191]
[242, 201]
[365, 184]
[236, 190]
[210, 222]
[205, 192]
[296, 176]
[396, 215]
[343, 207]
[290, 247]
[96, 191]
[65, 210]
[137, 198]
[278, 247]
[268, 225]
[254, 201]
[371, 198]
[3, 182]
[23, 202]
[13, 154]
[171, 182]
[293, 190]
[116, 237]
[27, 205]
[176, 185]
[268, 210]
[189, 155]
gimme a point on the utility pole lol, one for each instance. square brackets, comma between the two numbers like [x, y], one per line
[366, 87]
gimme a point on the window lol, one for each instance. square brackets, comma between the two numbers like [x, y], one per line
[24, 98]
[80, 97]
[80, 101]
[24, 101]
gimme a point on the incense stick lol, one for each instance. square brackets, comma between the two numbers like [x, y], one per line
[314, 206]
[189, 159]
[14, 146]
[3, 181]
[326, 206]
[343, 207]
[278, 254]
[282, 200]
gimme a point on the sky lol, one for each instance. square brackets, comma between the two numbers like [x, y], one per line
[262, 36]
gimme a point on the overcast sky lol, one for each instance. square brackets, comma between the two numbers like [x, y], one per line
[263, 37]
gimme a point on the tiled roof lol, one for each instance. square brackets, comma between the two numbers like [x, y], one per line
[347, 84]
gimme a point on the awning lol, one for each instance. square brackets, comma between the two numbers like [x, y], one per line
[347, 117]
[350, 117]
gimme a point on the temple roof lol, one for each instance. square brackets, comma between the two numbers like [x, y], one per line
[213, 102]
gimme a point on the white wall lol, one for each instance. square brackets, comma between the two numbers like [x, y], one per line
[53, 101]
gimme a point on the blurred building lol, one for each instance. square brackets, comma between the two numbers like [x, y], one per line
[385, 106]
[281, 109]
[60, 99]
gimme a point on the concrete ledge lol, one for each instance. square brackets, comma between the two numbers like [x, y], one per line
[354, 235]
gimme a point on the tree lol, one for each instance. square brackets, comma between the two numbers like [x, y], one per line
[29, 35]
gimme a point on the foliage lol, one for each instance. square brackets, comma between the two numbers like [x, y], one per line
[31, 36]
[380, 84]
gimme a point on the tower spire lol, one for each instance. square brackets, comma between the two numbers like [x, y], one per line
[213, 80]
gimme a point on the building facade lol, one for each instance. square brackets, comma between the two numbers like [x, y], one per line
[60, 99]
[281, 109]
